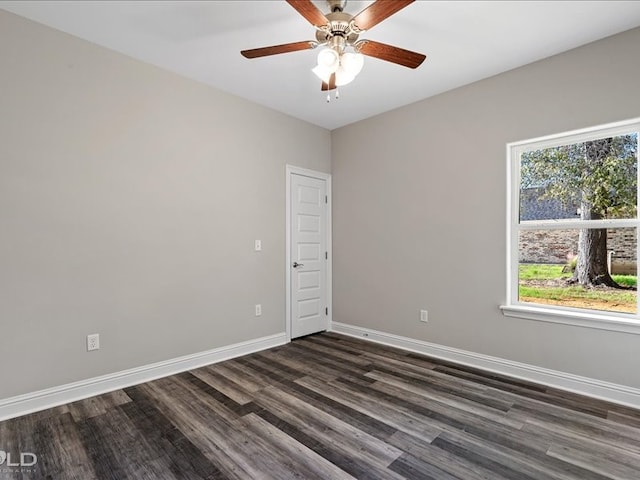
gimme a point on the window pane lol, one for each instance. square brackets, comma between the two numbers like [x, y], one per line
[588, 180]
[552, 272]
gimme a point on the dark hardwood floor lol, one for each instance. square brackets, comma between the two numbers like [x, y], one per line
[329, 407]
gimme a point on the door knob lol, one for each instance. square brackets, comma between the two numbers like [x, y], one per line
[296, 264]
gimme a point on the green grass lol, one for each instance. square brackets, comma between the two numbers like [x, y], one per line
[534, 271]
[625, 280]
[575, 295]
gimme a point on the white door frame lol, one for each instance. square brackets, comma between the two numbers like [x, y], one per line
[293, 170]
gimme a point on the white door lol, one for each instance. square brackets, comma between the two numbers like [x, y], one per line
[308, 255]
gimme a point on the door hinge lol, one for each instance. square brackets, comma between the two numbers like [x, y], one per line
[326, 255]
[326, 199]
[326, 311]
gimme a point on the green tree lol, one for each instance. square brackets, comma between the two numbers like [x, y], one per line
[601, 177]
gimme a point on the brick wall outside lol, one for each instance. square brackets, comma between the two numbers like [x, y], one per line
[553, 246]
[623, 242]
[547, 246]
[535, 207]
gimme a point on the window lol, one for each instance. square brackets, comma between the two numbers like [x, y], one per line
[573, 228]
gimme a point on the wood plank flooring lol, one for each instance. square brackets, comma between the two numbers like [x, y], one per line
[329, 407]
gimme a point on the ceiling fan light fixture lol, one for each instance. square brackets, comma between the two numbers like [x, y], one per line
[343, 77]
[329, 59]
[352, 63]
[322, 73]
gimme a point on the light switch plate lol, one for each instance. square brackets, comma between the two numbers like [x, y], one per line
[258, 246]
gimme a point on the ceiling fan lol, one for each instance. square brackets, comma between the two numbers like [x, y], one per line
[339, 32]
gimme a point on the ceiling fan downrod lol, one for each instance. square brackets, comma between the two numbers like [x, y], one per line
[336, 5]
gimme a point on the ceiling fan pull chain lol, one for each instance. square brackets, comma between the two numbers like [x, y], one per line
[337, 95]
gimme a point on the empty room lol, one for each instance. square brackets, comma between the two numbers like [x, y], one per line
[299, 239]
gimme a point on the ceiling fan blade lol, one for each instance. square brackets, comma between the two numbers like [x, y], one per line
[331, 85]
[309, 11]
[390, 53]
[377, 12]
[276, 49]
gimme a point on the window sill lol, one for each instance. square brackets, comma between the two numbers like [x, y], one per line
[623, 323]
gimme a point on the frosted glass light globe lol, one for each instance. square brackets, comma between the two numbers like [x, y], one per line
[329, 59]
[322, 72]
[352, 62]
[343, 77]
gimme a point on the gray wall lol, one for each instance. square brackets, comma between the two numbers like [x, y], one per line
[130, 199]
[405, 237]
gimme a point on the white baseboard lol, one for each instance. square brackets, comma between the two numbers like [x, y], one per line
[71, 392]
[590, 387]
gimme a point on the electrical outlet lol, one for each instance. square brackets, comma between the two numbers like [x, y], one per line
[93, 342]
[424, 316]
[258, 309]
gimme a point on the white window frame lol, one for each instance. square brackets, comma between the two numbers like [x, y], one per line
[620, 322]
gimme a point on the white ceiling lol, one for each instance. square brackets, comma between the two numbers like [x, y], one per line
[464, 41]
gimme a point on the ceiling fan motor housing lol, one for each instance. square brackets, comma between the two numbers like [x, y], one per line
[339, 26]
